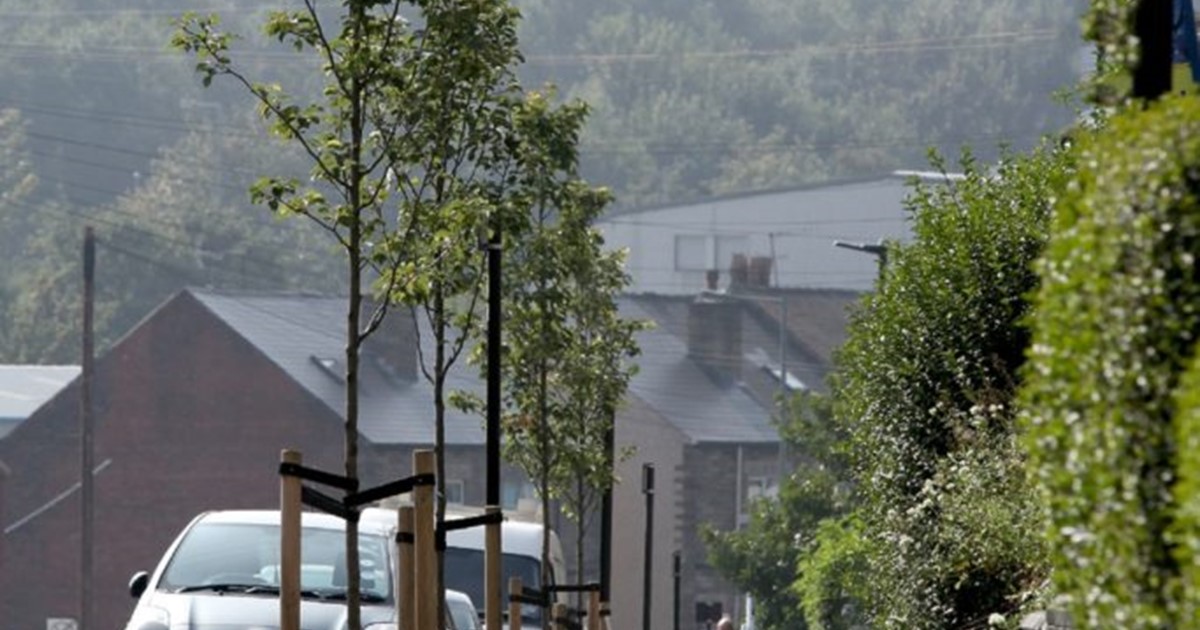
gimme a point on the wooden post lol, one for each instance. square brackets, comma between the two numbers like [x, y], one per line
[493, 585]
[593, 614]
[289, 545]
[514, 607]
[559, 616]
[405, 575]
[424, 546]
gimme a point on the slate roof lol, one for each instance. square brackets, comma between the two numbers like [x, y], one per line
[291, 330]
[296, 331]
[24, 388]
[683, 394]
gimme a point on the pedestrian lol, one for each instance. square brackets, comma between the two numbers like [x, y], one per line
[1185, 46]
[725, 623]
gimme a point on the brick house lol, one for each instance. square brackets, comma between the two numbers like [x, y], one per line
[194, 405]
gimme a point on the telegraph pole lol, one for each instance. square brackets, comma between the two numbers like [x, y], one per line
[1153, 27]
[492, 542]
[85, 415]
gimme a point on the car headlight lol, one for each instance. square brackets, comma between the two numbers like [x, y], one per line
[149, 618]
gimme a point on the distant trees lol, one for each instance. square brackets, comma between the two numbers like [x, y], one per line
[702, 98]
[688, 99]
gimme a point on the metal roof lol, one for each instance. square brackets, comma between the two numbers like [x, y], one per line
[24, 388]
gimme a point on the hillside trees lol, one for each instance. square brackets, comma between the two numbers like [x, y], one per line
[186, 222]
[706, 98]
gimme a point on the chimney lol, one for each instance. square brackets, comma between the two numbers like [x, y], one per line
[712, 279]
[760, 272]
[739, 271]
[715, 335]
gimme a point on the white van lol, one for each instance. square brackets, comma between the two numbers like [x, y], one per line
[521, 546]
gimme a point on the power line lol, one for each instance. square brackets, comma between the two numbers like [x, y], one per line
[978, 41]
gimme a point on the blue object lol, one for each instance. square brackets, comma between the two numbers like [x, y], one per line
[1186, 49]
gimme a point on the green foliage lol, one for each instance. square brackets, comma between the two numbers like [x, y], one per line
[410, 148]
[924, 388]
[700, 98]
[565, 359]
[831, 582]
[1115, 329]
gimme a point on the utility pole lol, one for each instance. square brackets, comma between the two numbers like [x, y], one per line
[85, 416]
[492, 616]
[606, 518]
[648, 563]
[1153, 27]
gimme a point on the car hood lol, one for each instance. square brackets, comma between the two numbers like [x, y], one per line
[231, 611]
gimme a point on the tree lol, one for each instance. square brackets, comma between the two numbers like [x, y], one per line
[924, 388]
[348, 136]
[419, 119]
[566, 354]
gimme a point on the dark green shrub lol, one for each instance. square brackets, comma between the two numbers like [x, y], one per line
[924, 387]
[1115, 326]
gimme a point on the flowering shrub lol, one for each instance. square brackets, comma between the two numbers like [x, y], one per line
[924, 387]
[1114, 330]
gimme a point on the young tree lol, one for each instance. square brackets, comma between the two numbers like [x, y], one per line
[414, 141]
[566, 351]
[782, 532]
[348, 135]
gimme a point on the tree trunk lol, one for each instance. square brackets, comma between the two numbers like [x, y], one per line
[353, 198]
[439, 449]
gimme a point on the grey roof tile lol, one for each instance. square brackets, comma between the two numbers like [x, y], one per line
[293, 330]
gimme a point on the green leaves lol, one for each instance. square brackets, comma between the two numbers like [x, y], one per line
[1109, 398]
[924, 388]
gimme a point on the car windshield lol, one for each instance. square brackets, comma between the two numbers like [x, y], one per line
[464, 572]
[245, 557]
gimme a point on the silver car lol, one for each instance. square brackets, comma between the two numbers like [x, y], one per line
[223, 572]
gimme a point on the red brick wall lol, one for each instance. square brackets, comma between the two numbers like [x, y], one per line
[192, 418]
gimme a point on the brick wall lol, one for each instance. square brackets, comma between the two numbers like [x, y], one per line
[178, 437]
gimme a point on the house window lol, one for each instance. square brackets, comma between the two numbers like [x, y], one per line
[455, 492]
[329, 366]
[512, 492]
[691, 253]
[756, 488]
[791, 381]
[701, 252]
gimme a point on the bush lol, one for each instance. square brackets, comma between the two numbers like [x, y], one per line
[1115, 328]
[924, 386]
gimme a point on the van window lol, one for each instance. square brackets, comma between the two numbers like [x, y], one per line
[464, 572]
